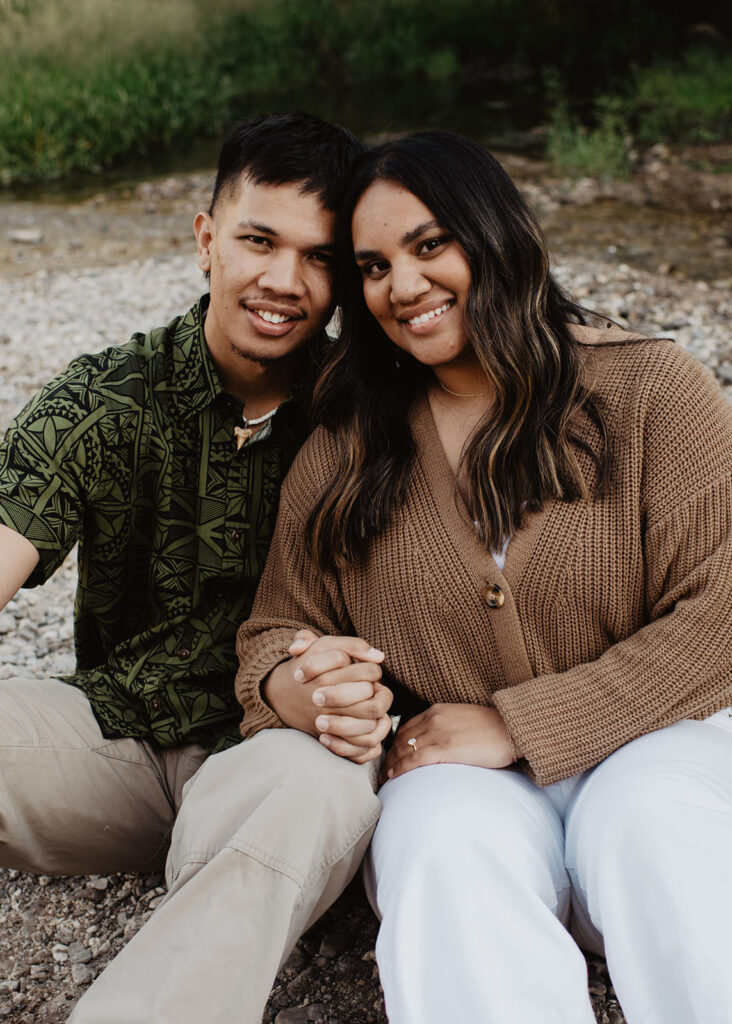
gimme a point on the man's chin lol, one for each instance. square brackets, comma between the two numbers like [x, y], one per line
[253, 355]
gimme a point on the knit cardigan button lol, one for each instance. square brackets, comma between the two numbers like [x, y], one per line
[493, 595]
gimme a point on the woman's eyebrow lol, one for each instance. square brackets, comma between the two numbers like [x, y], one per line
[414, 234]
[406, 239]
[366, 254]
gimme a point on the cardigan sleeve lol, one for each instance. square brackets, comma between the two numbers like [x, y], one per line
[293, 594]
[679, 664]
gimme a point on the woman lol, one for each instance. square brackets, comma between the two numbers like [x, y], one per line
[530, 518]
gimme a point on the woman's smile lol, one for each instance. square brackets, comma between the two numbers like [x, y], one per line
[421, 322]
[416, 277]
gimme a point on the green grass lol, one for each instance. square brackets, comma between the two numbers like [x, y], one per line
[683, 102]
[87, 84]
[600, 150]
[686, 101]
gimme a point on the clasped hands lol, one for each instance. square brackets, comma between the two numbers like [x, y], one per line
[331, 688]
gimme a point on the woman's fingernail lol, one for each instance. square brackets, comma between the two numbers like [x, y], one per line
[325, 740]
[319, 698]
[390, 773]
[374, 652]
[322, 723]
[299, 675]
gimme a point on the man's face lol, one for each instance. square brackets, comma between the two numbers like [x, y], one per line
[269, 251]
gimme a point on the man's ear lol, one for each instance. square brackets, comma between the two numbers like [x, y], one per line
[203, 228]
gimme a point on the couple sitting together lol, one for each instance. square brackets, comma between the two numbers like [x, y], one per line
[509, 535]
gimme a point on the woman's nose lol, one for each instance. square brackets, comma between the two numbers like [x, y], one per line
[408, 283]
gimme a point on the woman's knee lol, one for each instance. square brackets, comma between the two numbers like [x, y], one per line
[647, 797]
[457, 822]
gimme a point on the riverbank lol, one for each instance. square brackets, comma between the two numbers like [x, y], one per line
[89, 273]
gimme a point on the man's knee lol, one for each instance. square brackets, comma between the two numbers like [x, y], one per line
[280, 795]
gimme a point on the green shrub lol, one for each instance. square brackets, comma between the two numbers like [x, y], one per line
[600, 151]
[690, 100]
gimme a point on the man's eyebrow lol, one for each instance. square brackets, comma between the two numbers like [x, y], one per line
[261, 228]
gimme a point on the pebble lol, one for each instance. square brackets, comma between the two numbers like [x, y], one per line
[26, 236]
[81, 974]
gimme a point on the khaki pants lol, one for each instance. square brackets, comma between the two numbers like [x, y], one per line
[260, 840]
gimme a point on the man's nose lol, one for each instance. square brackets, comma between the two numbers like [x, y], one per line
[283, 274]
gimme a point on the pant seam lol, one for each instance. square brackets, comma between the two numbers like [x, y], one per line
[270, 860]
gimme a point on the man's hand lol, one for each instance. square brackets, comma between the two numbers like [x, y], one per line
[331, 688]
[453, 734]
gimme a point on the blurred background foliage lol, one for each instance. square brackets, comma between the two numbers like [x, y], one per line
[88, 84]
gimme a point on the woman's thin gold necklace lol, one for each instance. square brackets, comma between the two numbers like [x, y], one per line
[456, 394]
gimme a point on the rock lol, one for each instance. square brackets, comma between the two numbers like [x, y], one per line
[79, 954]
[65, 933]
[335, 943]
[81, 974]
[26, 236]
[300, 1014]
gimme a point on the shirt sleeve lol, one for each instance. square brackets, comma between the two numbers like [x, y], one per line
[293, 594]
[679, 664]
[50, 462]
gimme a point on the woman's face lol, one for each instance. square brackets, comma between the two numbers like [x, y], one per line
[416, 277]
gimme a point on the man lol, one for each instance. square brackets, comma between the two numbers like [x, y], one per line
[163, 458]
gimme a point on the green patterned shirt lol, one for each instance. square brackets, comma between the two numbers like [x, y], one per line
[131, 453]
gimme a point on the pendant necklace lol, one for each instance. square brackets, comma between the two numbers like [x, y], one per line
[242, 434]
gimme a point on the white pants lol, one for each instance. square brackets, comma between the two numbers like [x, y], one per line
[477, 874]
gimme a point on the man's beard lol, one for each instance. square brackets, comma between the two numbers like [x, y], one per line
[260, 360]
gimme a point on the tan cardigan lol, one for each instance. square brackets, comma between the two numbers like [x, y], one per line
[617, 611]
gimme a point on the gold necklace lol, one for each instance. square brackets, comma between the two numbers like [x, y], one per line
[456, 394]
[242, 434]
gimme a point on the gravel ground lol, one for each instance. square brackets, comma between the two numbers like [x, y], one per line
[60, 299]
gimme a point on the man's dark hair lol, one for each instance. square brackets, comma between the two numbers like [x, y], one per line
[278, 149]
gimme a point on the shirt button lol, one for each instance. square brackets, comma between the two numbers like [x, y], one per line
[236, 535]
[184, 653]
[493, 595]
[156, 704]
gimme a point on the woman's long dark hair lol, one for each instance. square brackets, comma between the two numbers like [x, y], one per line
[525, 450]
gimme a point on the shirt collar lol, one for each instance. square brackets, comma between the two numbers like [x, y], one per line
[196, 379]
[197, 382]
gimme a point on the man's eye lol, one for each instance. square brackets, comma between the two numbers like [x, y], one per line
[257, 240]
[324, 259]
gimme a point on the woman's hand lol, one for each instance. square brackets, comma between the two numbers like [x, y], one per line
[331, 689]
[453, 734]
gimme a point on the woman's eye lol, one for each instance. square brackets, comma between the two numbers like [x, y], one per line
[432, 244]
[374, 270]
